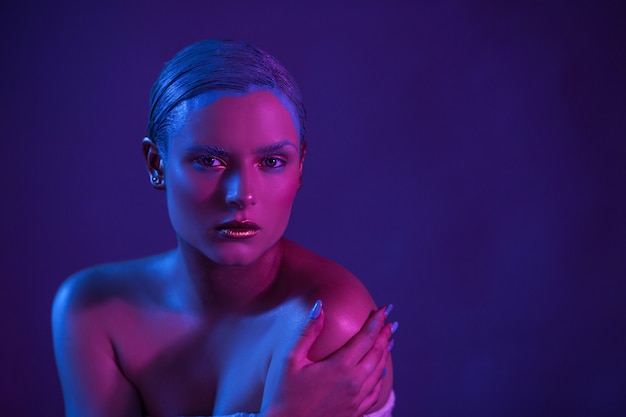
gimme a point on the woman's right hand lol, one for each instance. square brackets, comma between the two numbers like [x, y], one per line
[344, 384]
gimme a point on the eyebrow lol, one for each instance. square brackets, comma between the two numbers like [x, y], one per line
[262, 150]
[212, 150]
[274, 147]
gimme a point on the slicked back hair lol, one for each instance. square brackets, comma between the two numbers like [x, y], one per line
[216, 65]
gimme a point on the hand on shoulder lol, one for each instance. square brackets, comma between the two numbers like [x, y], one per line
[350, 324]
[349, 382]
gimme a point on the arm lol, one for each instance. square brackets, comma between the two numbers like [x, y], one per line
[348, 382]
[347, 308]
[92, 382]
[348, 305]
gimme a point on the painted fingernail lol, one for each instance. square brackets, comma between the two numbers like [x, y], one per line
[391, 345]
[384, 372]
[388, 310]
[394, 327]
[316, 310]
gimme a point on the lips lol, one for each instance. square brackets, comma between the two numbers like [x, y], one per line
[236, 229]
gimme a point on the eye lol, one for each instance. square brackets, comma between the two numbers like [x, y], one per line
[272, 162]
[208, 162]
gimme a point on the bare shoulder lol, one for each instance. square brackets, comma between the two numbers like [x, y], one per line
[87, 307]
[347, 303]
[92, 300]
[101, 284]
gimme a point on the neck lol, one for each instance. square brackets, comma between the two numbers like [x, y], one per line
[216, 288]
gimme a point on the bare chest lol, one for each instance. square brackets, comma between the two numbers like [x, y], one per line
[180, 366]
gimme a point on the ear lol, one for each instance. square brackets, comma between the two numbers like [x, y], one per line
[154, 163]
[302, 155]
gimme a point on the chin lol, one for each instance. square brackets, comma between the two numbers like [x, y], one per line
[233, 260]
[235, 256]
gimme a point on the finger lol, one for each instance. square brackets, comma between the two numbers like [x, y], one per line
[372, 367]
[381, 348]
[309, 334]
[371, 398]
[377, 352]
[364, 340]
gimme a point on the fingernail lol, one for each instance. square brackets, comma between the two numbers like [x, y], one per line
[394, 327]
[391, 345]
[388, 310]
[316, 310]
[384, 372]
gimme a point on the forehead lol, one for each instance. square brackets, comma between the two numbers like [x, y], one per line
[232, 118]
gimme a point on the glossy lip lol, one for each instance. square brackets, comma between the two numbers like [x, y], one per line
[237, 229]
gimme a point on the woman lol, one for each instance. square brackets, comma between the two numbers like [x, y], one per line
[221, 324]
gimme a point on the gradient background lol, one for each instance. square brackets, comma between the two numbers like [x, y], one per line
[467, 160]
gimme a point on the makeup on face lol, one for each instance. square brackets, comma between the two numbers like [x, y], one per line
[233, 171]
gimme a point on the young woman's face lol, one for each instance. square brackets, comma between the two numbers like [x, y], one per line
[232, 172]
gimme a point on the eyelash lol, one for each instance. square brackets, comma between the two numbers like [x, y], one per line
[209, 161]
[277, 161]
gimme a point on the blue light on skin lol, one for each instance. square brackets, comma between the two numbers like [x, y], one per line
[223, 157]
[179, 113]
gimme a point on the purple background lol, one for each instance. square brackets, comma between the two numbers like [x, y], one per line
[466, 160]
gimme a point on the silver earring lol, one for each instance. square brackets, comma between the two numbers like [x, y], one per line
[156, 179]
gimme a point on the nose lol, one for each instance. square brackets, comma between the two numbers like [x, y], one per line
[238, 189]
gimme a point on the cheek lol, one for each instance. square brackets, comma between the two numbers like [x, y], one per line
[188, 191]
[288, 197]
[282, 199]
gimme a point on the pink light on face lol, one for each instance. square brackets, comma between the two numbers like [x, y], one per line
[232, 173]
